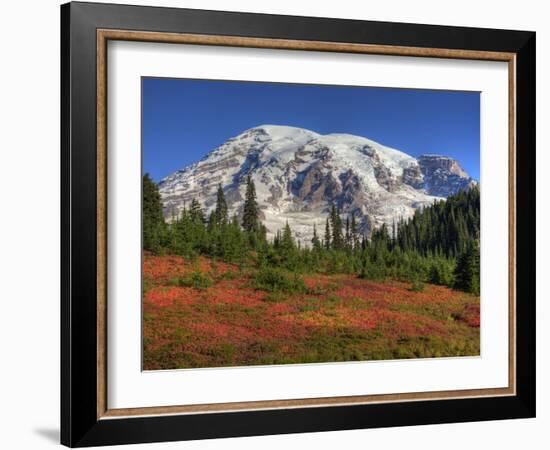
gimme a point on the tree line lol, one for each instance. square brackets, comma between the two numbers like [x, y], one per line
[439, 244]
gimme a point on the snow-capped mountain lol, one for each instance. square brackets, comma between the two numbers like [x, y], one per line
[299, 174]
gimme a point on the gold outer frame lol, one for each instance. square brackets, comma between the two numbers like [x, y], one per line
[104, 35]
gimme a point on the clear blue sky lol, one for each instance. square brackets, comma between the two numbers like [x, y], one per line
[185, 119]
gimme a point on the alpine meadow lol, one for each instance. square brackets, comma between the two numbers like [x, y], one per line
[308, 239]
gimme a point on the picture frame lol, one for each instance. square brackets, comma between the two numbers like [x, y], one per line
[86, 419]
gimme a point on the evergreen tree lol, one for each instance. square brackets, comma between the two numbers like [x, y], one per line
[348, 235]
[393, 235]
[213, 224]
[316, 243]
[261, 234]
[153, 220]
[196, 213]
[220, 212]
[250, 213]
[446, 225]
[235, 243]
[435, 275]
[287, 241]
[337, 242]
[354, 233]
[467, 269]
[327, 236]
[277, 239]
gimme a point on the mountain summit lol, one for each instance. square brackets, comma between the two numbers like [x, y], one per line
[299, 174]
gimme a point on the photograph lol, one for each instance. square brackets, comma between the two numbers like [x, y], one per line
[282, 223]
[300, 223]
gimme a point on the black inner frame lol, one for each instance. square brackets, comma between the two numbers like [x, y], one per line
[79, 423]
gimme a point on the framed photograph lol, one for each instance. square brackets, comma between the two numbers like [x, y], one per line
[276, 224]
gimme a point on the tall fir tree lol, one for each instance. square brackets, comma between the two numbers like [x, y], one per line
[315, 242]
[250, 212]
[221, 212]
[287, 241]
[277, 239]
[354, 232]
[327, 241]
[153, 220]
[393, 235]
[337, 241]
[467, 269]
[348, 243]
[212, 226]
[195, 212]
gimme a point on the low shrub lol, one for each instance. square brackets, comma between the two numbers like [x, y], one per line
[417, 286]
[195, 280]
[276, 280]
[275, 297]
[229, 275]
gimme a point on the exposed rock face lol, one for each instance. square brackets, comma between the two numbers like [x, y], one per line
[443, 176]
[413, 176]
[299, 174]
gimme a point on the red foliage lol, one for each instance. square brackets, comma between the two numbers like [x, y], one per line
[163, 268]
[472, 315]
[234, 292]
[167, 296]
[231, 323]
